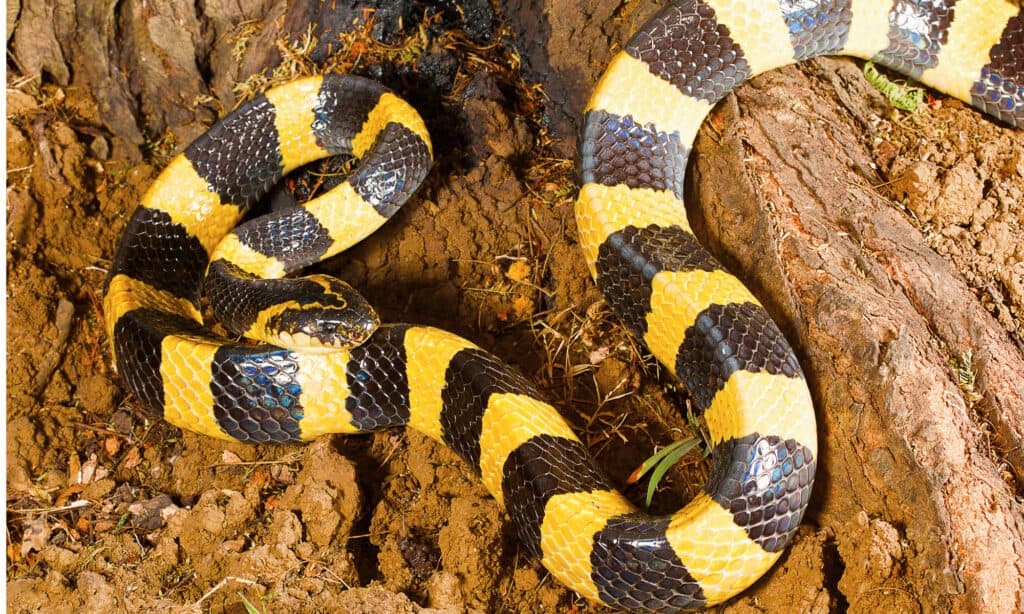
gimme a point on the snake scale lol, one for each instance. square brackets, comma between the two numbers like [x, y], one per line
[300, 382]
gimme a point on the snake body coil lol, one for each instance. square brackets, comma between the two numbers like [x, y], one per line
[693, 316]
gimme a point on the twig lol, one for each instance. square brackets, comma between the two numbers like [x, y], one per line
[284, 460]
[100, 430]
[221, 585]
[65, 312]
[74, 505]
[39, 132]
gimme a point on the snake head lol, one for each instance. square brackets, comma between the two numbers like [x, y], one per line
[328, 315]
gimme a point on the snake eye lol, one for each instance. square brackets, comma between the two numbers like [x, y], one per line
[322, 314]
[337, 318]
[344, 328]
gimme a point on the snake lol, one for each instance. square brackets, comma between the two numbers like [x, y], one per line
[322, 363]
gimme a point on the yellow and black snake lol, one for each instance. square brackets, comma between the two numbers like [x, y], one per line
[693, 316]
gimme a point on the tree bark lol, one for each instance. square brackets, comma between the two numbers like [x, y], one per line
[781, 188]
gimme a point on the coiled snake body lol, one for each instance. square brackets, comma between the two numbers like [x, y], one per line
[699, 321]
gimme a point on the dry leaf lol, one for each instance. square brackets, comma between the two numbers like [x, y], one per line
[230, 458]
[102, 526]
[112, 445]
[132, 458]
[37, 533]
[92, 471]
[74, 467]
[65, 495]
[83, 525]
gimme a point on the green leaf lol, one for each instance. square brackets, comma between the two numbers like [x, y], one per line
[661, 461]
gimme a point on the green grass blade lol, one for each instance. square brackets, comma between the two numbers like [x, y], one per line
[660, 462]
[249, 607]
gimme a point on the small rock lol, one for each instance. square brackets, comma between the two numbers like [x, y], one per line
[99, 489]
[443, 592]
[152, 513]
[122, 422]
[99, 148]
[19, 103]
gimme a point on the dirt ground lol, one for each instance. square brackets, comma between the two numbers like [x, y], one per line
[111, 510]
